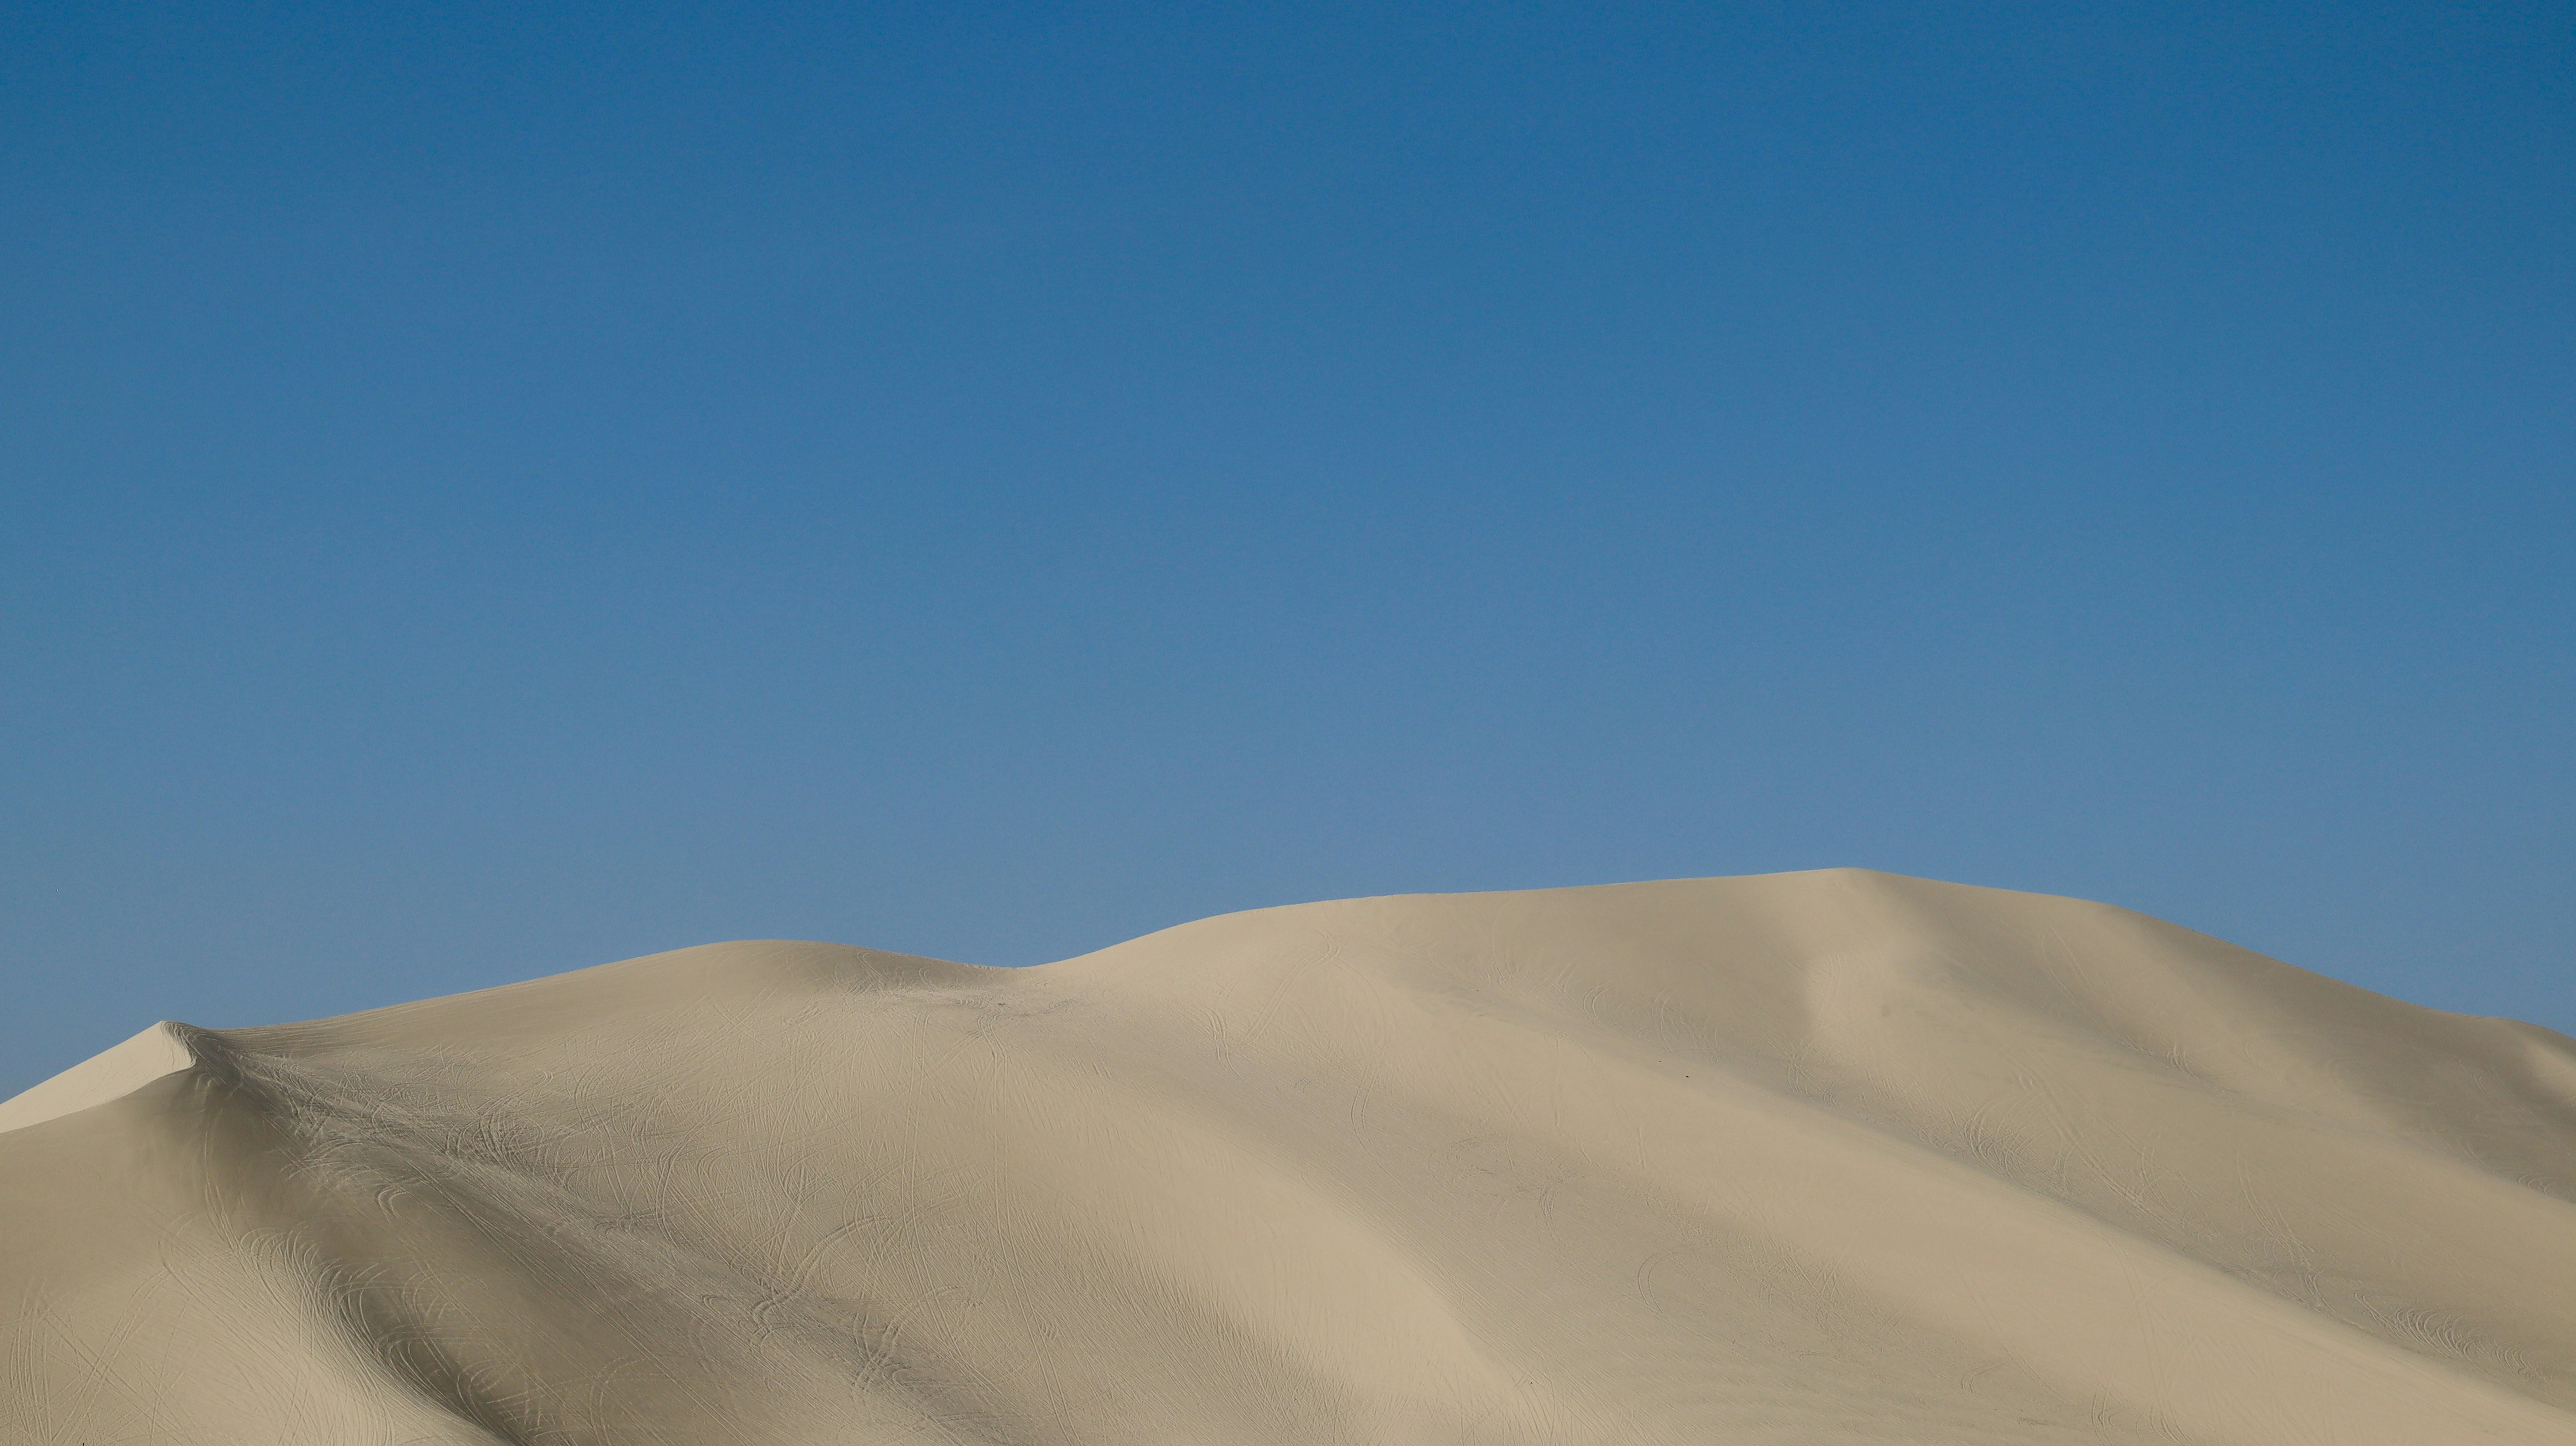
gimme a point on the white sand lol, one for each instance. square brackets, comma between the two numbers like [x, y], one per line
[1828, 1157]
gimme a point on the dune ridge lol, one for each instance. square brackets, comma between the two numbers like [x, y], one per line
[110, 1074]
[1836, 1156]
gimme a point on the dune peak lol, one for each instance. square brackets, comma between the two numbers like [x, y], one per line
[165, 1048]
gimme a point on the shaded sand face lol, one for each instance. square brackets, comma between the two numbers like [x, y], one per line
[1830, 1157]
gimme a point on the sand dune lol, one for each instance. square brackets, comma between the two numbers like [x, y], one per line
[1827, 1157]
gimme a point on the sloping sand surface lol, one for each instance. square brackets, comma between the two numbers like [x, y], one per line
[1828, 1157]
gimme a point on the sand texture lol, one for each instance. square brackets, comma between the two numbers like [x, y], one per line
[1827, 1157]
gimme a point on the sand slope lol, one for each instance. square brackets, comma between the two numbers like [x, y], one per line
[1827, 1157]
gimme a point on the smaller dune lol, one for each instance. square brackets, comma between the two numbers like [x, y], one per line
[161, 1050]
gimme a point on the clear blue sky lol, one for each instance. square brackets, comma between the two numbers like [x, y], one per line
[490, 489]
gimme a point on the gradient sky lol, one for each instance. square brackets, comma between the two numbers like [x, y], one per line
[492, 489]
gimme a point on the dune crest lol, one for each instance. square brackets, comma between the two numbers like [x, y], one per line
[110, 1074]
[1836, 1156]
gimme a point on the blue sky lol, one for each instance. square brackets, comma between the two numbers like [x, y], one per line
[486, 490]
